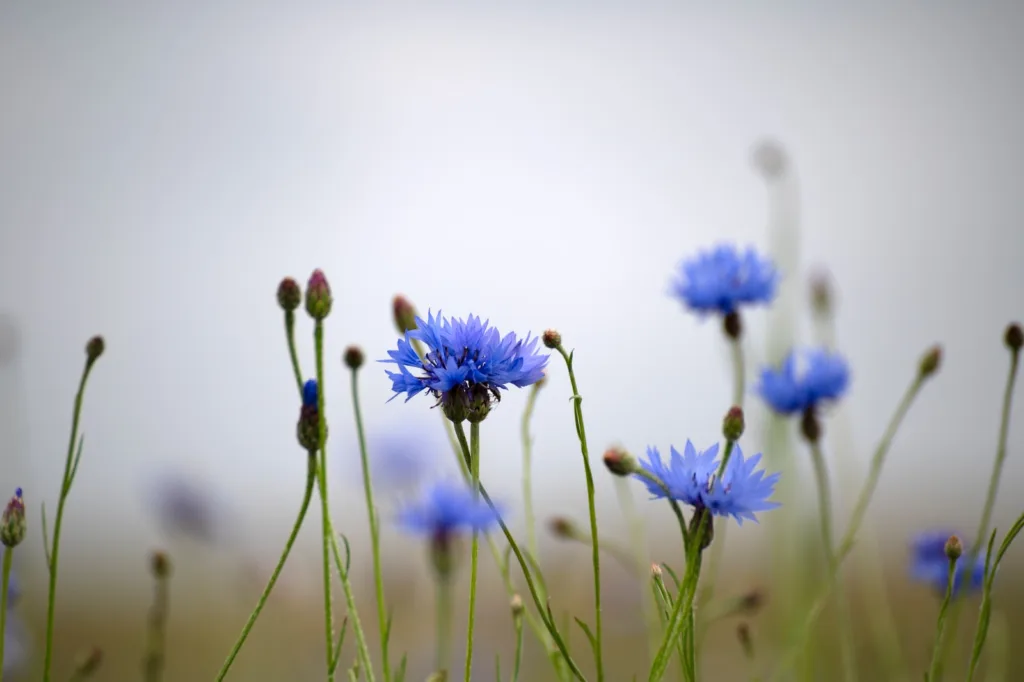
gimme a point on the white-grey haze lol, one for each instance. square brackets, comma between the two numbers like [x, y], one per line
[161, 168]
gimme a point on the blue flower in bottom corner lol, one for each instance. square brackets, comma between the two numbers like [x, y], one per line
[690, 478]
[446, 509]
[929, 564]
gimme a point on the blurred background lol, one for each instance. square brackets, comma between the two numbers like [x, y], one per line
[163, 165]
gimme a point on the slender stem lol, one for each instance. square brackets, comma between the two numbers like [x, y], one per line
[371, 511]
[474, 472]
[531, 529]
[289, 331]
[153, 665]
[517, 622]
[990, 498]
[935, 669]
[65, 488]
[310, 478]
[739, 371]
[4, 586]
[444, 623]
[363, 652]
[591, 508]
[648, 476]
[825, 516]
[325, 517]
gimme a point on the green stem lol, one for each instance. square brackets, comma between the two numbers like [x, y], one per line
[990, 497]
[4, 586]
[371, 511]
[474, 472]
[935, 669]
[444, 623]
[531, 529]
[825, 516]
[739, 370]
[363, 652]
[310, 478]
[591, 508]
[289, 331]
[641, 562]
[65, 488]
[325, 517]
[156, 645]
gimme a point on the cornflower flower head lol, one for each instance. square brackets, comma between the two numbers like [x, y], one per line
[929, 564]
[806, 379]
[465, 365]
[690, 478]
[447, 509]
[724, 279]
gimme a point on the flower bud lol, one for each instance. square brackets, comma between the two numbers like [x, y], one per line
[318, 296]
[751, 602]
[160, 565]
[308, 428]
[732, 324]
[1014, 337]
[516, 604]
[821, 293]
[563, 528]
[709, 527]
[405, 314]
[930, 362]
[354, 357]
[733, 424]
[289, 295]
[12, 522]
[620, 462]
[552, 339]
[810, 427]
[94, 349]
[954, 548]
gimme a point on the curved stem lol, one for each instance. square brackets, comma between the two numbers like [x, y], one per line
[474, 472]
[531, 529]
[5, 586]
[935, 669]
[307, 496]
[362, 651]
[325, 518]
[289, 331]
[153, 665]
[577, 401]
[371, 511]
[70, 464]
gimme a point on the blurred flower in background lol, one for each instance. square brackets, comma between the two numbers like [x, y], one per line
[16, 643]
[402, 457]
[929, 563]
[184, 505]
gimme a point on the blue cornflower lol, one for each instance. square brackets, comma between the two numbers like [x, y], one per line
[929, 564]
[447, 509]
[310, 393]
[723, 279]
[467, 362]
[740, 493]
[805, 380]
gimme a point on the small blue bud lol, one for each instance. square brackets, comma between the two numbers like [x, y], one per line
[309, 393]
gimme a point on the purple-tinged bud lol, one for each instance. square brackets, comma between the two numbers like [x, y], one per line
[94, 349]
[404, 313]
[563, 528]
[1014, 337]
[318, 296]
[954, 548]
[732, 324]
[620, 462]
[308, 428]
[930, 362]
[12, 522]
[552, 339]
[733, 424]
[354, 357]
[289, 295]
[160, 564]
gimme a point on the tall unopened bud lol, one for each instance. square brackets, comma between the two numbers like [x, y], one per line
[1014, 337]
[620, 462]
[405, 314]
[289, 295]
[94, 349]
[552, 339]
[318, 296]
[930, 362]
[308, 427]
[733, 424]
[354, 357]
[12, 522]
[954, 548]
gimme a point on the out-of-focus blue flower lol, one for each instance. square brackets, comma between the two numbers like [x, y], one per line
[740, 493]
[446, 509]
[402, 458]
[930, 565]
[723, 279]
[467, 362]
[186, 505]
[15, 636]
[805, 379]
[309, 394]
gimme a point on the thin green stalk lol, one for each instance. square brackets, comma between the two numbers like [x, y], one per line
[70, 464]
[474, 472]
[531, 529]
[318, 337]
[577, 400]
[4, 586]
[371, 511]
[638, 543]
[306, 497]
[825, 517]
[517, 622]
[363, 652]
[990, 496]
[739, 372]
[153, 665]
[935, 669]
[444, 623]
[289, 331]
